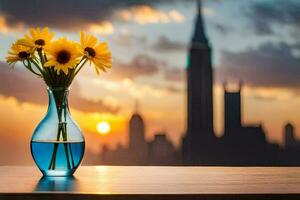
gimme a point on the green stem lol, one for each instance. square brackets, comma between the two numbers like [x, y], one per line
[41, 56]
[47, 70]
[44, 73]
[53, 159]
[28, 66]
[60, 100]
[51, 71]
[71, 154]
[67, 155]
[64, 132]
[78, 68]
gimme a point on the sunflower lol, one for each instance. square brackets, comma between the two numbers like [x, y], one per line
[63, 55]
[37, 39]
[96, 53]
[18, 53]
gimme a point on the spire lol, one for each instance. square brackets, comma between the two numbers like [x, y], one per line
[225, 86]
[240, 85]
[136, 106]
[199, 4]
[199, 36]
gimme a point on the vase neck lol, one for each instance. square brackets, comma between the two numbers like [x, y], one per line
[58, 101]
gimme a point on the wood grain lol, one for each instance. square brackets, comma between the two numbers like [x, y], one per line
[108, 182]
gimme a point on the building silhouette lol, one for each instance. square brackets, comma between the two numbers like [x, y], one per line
[243, 144]
[240, 145]
[159, 151]
[290, 140]
[138, 147]
[232, 111]
[162, 151]
[289, 155]
[196, 144]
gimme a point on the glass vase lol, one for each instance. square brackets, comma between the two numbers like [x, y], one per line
[57, 144]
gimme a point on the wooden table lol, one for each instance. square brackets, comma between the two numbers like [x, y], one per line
[151, 183]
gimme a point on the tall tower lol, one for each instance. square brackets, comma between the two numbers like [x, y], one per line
[199, 94]
[289, 135]
[232, 111]
[136, 131]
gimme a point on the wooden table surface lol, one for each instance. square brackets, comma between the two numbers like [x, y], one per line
[108, 182]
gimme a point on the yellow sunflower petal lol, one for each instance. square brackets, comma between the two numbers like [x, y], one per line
[17, 53]
[37, 38]
[25, 42]
[50, 63]
[63, 55]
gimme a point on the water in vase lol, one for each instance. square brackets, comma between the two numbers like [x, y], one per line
[57, 158]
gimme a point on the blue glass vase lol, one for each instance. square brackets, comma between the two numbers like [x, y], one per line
[57, 144]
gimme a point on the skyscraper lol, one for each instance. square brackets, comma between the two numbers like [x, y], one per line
[289, 135]
[200, 95]
[232, 111]
[137, 143]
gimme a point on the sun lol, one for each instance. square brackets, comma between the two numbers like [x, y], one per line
[103, 127]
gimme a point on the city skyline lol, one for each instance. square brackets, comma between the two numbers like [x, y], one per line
[240, 145]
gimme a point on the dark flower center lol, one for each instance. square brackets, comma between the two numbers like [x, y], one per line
[63, 57]
[23, 54]
[90, 51]
[40, 42]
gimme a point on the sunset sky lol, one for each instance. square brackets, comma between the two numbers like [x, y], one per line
[256, 41]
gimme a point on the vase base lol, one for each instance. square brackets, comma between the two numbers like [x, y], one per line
[58, 172]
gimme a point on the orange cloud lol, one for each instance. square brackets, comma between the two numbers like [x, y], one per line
[5, 28]
[208, 11]
[176, 16]
[102, 28]
[269, 94]
[29, 89]
[144, 14]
